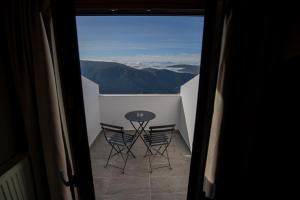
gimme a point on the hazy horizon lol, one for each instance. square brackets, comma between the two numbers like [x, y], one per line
[167, 66]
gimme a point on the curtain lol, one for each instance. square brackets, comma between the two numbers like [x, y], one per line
[37, 83]
[51, 113]
[212, 155]
[17, 24]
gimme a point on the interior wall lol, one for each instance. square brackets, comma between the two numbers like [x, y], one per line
[12, 137]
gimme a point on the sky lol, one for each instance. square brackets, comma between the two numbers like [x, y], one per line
[142, 41]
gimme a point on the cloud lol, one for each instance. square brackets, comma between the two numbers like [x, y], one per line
[150, 60]
[86, 46]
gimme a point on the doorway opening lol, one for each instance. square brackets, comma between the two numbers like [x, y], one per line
[140, 63]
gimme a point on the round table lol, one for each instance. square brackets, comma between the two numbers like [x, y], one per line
[142, 118]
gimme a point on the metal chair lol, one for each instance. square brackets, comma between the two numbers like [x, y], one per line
[158, 141]
[119, 141]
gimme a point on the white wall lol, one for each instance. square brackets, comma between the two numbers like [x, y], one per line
[92, 108]
[189, 95]
[179, 109]
[114, 108]
[182, 125]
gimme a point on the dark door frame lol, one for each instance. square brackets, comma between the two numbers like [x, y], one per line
[64, 26]
[209, 67]
[68, 56]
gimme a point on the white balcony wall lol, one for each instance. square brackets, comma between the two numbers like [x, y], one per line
[179, 109]
[188, 105]
[92, 108]
[114, 107]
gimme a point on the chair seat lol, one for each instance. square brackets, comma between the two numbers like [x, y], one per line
[156, 139]
[118, 139]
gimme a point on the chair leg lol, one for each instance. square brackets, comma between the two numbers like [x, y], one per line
[158, 151]
[129, 150]
[125, 162]
[109, 156]
[132, 154]
[168, 158]
[120, 151]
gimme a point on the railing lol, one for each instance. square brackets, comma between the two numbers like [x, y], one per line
[179, 109]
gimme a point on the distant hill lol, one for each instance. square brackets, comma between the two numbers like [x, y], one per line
[193, 69]
[116, 78]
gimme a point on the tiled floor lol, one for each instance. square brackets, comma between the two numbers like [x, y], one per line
[137, 182]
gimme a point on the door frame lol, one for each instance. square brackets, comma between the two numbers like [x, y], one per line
[209, 68]
[68, 56]
[64, 28]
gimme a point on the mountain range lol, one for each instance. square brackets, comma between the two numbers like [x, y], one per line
[117, 78]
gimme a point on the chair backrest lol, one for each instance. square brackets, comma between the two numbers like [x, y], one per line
[170, 128]
[111, 128]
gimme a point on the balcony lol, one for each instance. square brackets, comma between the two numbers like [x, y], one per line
[137, 182]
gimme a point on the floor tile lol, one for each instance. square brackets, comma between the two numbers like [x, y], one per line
[137, 183]
[174, 184]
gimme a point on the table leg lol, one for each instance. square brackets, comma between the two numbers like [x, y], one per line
[138, 132]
